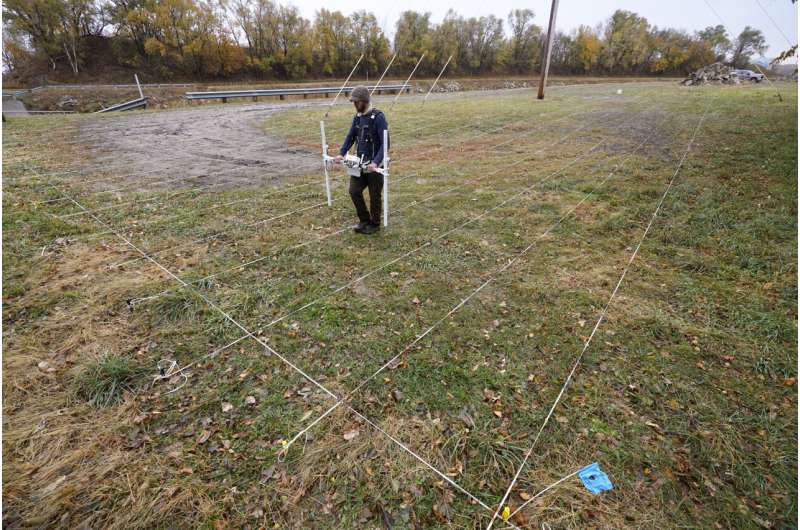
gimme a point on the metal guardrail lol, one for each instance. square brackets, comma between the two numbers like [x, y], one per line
[27, 112]
[19, 92]
[128, 105]
[283, 92]
[121, 86]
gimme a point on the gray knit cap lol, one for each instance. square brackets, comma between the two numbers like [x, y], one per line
[360, 93]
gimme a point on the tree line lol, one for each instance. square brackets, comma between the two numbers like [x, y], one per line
[261, 39]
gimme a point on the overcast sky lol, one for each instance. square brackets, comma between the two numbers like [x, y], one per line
[689, 15]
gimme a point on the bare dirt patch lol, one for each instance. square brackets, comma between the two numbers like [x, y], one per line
[193, 147]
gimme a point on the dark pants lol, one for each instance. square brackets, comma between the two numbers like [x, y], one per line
[373, 181]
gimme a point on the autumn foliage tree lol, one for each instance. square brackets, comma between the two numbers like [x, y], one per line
[263, 39]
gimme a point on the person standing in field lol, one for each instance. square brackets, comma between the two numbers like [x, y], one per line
[366, 132]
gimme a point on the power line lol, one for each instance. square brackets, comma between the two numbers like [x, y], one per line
[788, 41]
[715, 12]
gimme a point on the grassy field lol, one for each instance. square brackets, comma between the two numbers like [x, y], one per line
[436, 349]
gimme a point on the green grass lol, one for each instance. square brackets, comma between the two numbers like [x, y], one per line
[105, 381]
[687, 395]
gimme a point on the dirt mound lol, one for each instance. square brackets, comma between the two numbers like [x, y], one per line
[713, 73]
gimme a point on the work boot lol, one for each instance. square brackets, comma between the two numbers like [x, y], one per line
[371, 228]
[362, 226]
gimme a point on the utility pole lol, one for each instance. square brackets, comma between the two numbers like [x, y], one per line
[551, 28]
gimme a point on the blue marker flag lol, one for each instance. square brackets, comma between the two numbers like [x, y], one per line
[594, 479]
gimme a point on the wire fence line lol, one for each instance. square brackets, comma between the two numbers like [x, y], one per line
[396, 182]
[600, 319]
[229, 318]
[242, 266]
[471, 295]
[272, 352]
[146, 256]
[137, 225]
[116, 205]
[446, 145]
[339, 403]
[400, 133]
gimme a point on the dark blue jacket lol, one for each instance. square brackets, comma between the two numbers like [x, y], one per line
[366, 132]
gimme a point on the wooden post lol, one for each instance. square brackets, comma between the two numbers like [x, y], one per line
[551, 28]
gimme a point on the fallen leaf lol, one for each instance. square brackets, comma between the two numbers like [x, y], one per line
[267, 473]
[498, 413]
[250, 400]
[204, 436]
[521, 520]
[226, 407]
[466, 418]
[349, 435]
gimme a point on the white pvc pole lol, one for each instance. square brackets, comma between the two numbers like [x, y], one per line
[343, 85]
[141, 94]
[385, 177]
[383, 74]
[325, 162]
[437, 79]
[770, 82]
[407, 80]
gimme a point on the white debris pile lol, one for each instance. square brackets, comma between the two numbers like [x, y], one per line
[67, 102]
[452, 86]
[713, 73]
